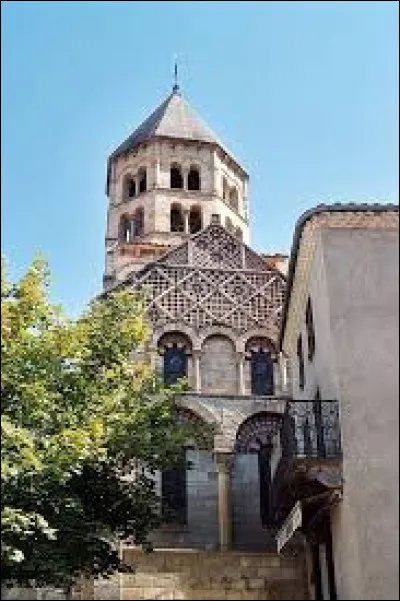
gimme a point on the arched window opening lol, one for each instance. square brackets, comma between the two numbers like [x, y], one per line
[259, 352]
[125, 231]
[234, 199]
[262, 374]
[228, 224]
[175, 364]
[300, 359]
[139, 222]
[176, 179]
[239, 233]
[175, 348]
[129, 187]
[142, 174]
[176, 218]
[194, 179]
[195, 220]
[225, 188]
[310, 329]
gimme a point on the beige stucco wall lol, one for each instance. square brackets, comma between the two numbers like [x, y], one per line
[362, 274]
[352, 278]
[320, 372]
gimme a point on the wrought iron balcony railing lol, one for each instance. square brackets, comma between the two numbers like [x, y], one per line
[311, 429]
[309, 440]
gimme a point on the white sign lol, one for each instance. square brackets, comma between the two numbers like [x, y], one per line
[292, 522]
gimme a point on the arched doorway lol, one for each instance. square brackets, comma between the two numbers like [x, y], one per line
[256, 452]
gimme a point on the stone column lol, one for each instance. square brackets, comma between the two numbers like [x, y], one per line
[240, 368]
[224, 500]
[196, 370]
[156, 182]
[186, 221]
[283, 373]
[185, 175]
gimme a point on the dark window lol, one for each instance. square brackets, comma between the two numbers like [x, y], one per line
[131, 188]
[300, 359]
[194, 179]
[216, 219]
[142, 180]
[262, 375]
[139, 222]
[175, 364]
[194, 220]
[125, 229]
[177, 223]
[310, 330]
[173, 493]
[176, 178]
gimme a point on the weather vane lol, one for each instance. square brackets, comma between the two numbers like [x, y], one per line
[176, 85]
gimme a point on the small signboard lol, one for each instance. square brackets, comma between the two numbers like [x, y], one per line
[292, 522]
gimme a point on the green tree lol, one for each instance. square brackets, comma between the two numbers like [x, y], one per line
[77, 412]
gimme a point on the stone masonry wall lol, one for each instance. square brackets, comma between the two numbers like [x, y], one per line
[212, 575]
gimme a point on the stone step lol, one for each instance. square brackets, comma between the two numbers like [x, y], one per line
[191, 574]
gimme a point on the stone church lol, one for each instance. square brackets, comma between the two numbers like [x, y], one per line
[293, 363]
[262, 513]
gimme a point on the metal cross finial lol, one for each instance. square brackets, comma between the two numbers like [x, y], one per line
[176, 85]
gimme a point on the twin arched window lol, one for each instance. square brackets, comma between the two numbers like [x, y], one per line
[131, 226]
[132, 185]
[177, 219]
[177, 179]
[230, 194]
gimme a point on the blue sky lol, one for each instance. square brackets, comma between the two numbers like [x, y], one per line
[304, 93]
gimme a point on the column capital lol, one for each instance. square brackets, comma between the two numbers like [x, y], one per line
[223, 461]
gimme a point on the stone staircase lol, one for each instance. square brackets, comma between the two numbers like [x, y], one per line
[187, 574]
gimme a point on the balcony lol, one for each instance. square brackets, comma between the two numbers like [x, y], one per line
[309, 466]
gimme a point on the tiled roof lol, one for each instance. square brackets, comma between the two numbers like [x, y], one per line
[173, 118]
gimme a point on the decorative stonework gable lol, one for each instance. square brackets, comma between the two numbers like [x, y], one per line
[200, 297]
[212, 279]
[215, 247]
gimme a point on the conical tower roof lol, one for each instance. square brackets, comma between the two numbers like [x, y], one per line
[173, 118]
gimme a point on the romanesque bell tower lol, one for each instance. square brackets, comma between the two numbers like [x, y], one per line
[169, 179]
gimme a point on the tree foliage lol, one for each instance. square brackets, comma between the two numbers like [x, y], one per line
[77, 412]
